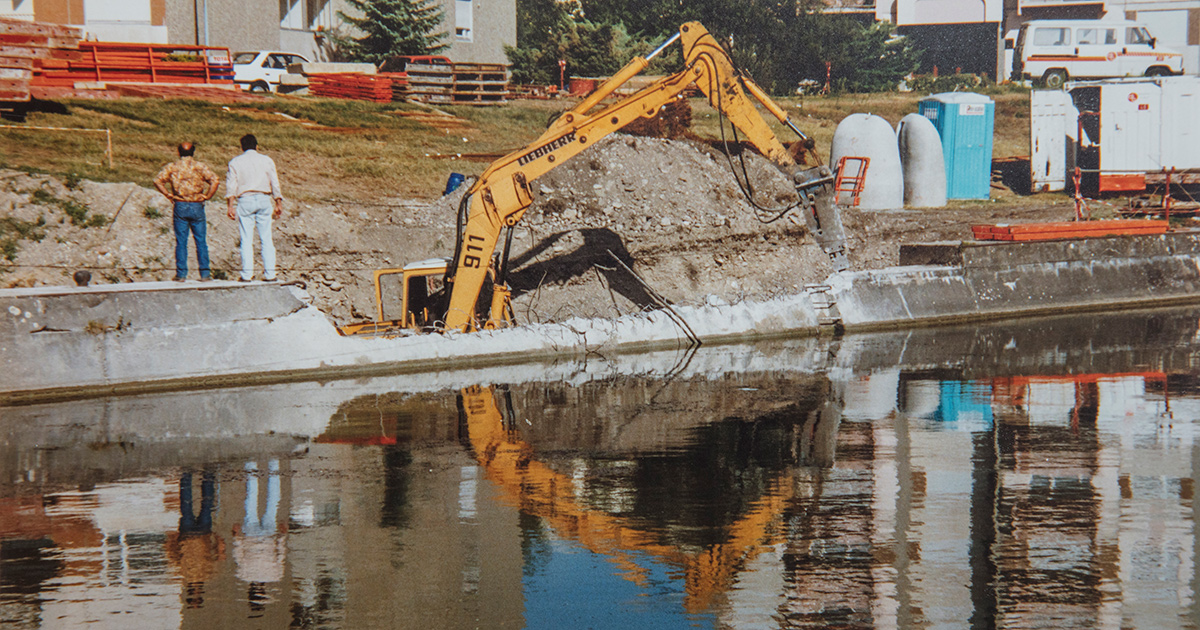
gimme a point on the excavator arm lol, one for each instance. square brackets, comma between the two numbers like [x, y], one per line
[499, 198]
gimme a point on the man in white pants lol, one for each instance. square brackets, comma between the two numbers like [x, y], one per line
[250, 186]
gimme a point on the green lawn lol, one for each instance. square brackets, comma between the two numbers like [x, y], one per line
[329, 148]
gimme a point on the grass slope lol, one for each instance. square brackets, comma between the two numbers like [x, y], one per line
[355, 150]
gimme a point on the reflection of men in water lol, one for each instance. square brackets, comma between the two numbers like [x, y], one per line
[195, 549]
[258, 547]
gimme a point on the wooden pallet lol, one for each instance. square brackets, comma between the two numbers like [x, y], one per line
[435, 81]
[1072, 229]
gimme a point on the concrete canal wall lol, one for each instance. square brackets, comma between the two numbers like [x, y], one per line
[70, 342]
[976, 281]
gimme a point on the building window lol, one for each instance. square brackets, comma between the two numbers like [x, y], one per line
[291, 14]
[116, 12]
[464, 21]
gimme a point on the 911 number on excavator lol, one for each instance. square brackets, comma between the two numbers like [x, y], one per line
[470, 292]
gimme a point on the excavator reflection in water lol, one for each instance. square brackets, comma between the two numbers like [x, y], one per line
[709, 570]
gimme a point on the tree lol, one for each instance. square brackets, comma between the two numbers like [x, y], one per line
[549, 31]
[863, 58]
[777, 42]
[393, 27]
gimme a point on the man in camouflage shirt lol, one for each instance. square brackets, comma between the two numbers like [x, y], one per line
[189, 184]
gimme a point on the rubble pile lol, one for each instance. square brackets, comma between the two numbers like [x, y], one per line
[634, 185]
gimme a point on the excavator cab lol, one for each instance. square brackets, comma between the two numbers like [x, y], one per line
[411, 298]
[418, 288]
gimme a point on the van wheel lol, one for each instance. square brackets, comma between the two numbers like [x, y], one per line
[260, 86]
[1158, 71]
[1054, 79]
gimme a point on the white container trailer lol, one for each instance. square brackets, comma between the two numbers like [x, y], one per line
[1053, 120]
[1130, 133]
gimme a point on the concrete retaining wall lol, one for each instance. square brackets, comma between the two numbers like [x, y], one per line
[991, 280]
[64, 341]
[72, 342]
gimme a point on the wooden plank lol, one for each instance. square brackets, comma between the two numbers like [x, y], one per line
[1069, 225]
[16, 73]
[9, 25]
[24, 63]
[18, 96]
[1046, 236]
[50, 93]
[1019, 228]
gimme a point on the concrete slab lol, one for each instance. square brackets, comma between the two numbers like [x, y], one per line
[331, 68]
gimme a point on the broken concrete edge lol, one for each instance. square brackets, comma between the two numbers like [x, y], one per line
[862, 301]
[574, 355]
[121, 360]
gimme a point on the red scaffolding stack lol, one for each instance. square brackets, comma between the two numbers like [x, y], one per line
[363, 87]
[115, 62]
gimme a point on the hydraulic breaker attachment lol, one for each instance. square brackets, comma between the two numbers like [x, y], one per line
[814, 186]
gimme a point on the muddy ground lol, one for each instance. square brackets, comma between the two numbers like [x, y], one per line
[671, 209]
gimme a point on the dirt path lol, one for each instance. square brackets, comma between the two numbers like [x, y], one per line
[672, 210]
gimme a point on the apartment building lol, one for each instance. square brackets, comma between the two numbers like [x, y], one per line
[477, 30]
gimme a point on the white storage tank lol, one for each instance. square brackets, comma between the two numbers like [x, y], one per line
[922, 162]
[865, 135]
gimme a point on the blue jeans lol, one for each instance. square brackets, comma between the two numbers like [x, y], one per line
[189, 215]
[189, 521]
[254, 211]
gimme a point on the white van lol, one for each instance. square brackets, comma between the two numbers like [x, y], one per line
[1056, 50]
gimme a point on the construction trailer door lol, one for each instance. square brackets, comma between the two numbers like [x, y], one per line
[1180, 122]
[1052, 135]
[1130, 134]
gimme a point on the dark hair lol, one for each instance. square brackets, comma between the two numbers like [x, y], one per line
[249, 142]
[187, 149]
[82, 278]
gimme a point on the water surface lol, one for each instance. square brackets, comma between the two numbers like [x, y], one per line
[1031, 474]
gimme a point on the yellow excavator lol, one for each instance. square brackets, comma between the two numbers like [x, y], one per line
[469, 291]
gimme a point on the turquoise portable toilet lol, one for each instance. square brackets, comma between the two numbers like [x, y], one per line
[965, 122]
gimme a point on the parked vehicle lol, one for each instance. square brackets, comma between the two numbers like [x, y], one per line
[259, 71]
[1057, 50]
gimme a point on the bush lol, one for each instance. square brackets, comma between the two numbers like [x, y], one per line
[929, 84]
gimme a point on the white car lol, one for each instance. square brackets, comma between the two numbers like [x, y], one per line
[259, 71]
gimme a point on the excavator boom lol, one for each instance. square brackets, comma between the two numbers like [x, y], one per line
[501, 195]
